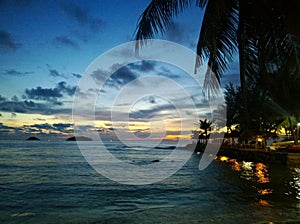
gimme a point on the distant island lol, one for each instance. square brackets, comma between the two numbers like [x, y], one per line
[32, 139]
[79, 138]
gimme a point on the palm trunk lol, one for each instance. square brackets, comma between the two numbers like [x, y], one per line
[241, 47]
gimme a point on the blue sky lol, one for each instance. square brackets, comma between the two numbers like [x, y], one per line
[45, 47]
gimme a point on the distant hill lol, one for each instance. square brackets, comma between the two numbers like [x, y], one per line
[32, 139]
[79, 138]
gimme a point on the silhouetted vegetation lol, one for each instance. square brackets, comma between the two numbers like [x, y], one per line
[266, 37]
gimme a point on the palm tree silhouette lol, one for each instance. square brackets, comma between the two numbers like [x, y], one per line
[205, 125]
[264, 33]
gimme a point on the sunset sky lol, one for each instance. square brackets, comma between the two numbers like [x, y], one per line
[45, 48]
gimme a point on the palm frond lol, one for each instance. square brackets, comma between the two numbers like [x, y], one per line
[156, 18]
[201, 3]
[211, 84]
[217, 40]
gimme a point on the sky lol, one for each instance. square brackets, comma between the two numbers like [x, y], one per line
[46, 48]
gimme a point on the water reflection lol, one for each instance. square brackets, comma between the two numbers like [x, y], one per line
[269, 191]
[295, 182]
[262, 173]
[257, 173]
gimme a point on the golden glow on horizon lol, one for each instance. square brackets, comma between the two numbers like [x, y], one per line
[25, 122]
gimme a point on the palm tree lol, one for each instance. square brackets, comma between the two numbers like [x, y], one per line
[264, 33]
[205, 125]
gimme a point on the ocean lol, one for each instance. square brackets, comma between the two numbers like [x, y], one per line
[51, 182]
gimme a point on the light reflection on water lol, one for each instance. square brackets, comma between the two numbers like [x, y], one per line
[295, 183]
[43, 182]
[258, 175]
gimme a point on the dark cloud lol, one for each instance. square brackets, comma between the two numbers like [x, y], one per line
[143, 66]
[2, 98]
[152, 100]
[63, 127]
[151, 112]
[40, 93]
[7, 41]
[13, 72]
[6, 129]
[66, 41]
[15, 98]
[166, 72]
[118, 79]
[17, 106]
[39, 119]
[50, 94]
[159, 68]
[69, 90]
[30, 107]
[82, 16]
[142, 133]
[76, 75]
[29, 104]
[54, 72]
[41, 126]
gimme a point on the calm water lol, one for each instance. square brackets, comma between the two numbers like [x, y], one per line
[50, 182]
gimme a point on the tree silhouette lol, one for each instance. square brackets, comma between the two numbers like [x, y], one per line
[263, 33]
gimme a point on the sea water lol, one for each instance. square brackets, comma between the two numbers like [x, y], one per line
[51, 182]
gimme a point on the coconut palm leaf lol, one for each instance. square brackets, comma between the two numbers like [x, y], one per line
[157, 17]
[218, 40]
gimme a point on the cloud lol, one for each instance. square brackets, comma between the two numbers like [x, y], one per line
[13, 72]
[7, 42]
[30, 107]
[40, 93]
[17, 106]
[2, 98]
[15, 98]
[54, 72]
[118, 79]
[143, 66]
[50, 94]
[66, 41]
[77, 75]
[159, 68]
[151, 112]
[61, 127]
[152, 100]
[82, 16]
